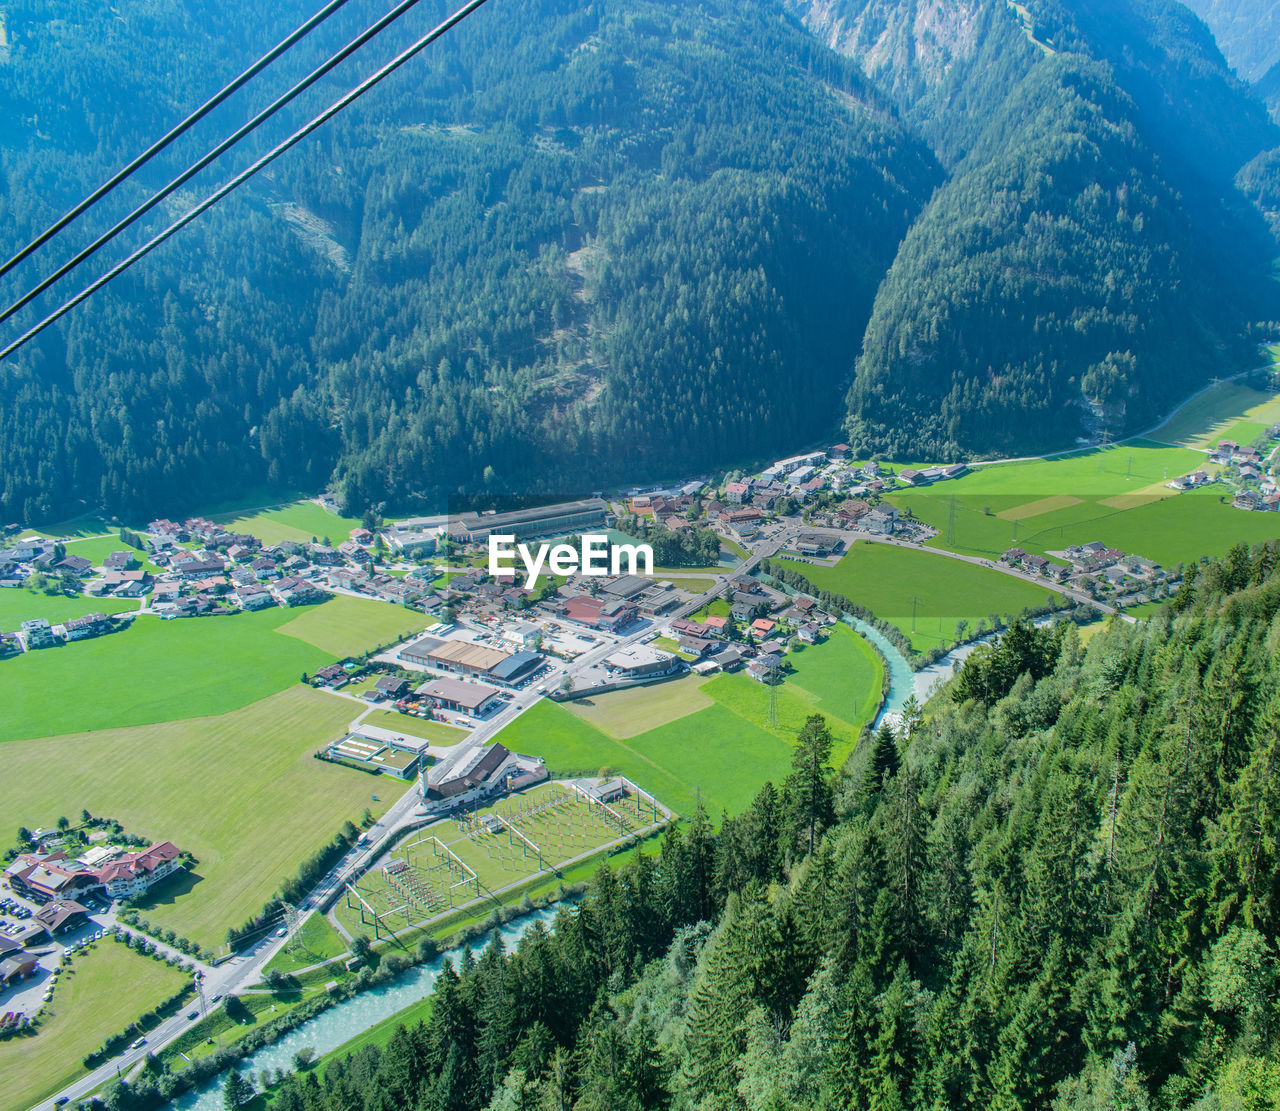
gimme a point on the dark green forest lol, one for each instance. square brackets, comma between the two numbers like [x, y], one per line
[629, 239]
[1057, 885]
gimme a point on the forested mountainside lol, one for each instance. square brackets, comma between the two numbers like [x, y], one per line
[1247, 30]
[572, 242]
[576, 244]
[1268, 88]
[1055, 286]
[1058, 887]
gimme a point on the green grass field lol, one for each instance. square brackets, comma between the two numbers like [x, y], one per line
[316, 941]
[298, 522]
[241, 791]
[724, 752]
[435, 731]
[1225, 412]
[885, 579]
[98, 548]
[17, 604]
[347, 626]
[154, 671]
[628, 713]
[110, 987]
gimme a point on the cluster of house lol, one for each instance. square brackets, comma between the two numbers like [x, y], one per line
[1094, 559]
[1257, 489]
[709, 643]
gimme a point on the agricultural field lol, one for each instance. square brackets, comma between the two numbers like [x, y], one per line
[153, 671]
[452, 862]
[1228, 411]
[709, 739]
[434, 731]
[17, 604]
[110, 986]
[628, 713]
[243, 777]
[891, 581]
[298, 522]
[347, 626]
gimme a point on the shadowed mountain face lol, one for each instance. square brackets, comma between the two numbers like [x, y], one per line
[1248, 31]
[629, 239]
[1068, 280]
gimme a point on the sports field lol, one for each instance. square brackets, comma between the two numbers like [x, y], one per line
[722, 753]
[17, 604]
[154, 671]
[299, 522]
[890, 581]
[110, 987]
[1229, 411]
[450, 863]
[435, 731]
[241, 791]
[347, 626]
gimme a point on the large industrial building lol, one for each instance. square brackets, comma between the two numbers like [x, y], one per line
[641, 661]
[475, 699]
[465, 657]
[544, 520]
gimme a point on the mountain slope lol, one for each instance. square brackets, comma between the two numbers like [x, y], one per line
[1090, 257]
[568, 244]
[1247, 30]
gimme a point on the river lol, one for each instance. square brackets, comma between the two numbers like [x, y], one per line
[344, 1021]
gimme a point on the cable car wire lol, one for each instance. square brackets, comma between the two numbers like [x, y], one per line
[174, 133]
[244, 175]
[211, 156]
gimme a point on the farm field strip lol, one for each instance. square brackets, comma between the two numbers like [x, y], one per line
[221, 787]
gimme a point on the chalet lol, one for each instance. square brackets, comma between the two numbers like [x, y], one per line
[77, 565]
[239, 553]
[766, 668]
[331, 674]
[910, 476]
[391, 686]
[482, 773]
[254, 598]
[81, 628]
[265, 568]
[120, 561]
[1013, 557]
[296, 592]
[1036, 564]
[685, 627]
[61, 916]
[698, 646]
[133, 873]
[1247, 499]
[808, 632]
[853, 510]
[730, 658]
[362, 536]
[716, 625]
[762, 627]
[838, 451]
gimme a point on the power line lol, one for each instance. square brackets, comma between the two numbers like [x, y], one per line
[217, 152]
[175, 132]
[244, 175]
